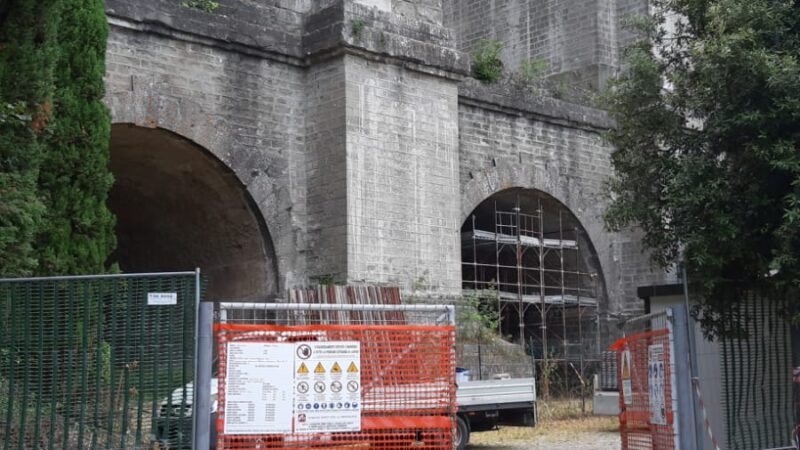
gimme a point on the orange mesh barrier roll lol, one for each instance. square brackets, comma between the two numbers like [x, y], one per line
[335, 386]
[645, 386]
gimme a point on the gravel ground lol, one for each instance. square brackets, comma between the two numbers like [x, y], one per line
[585, 440]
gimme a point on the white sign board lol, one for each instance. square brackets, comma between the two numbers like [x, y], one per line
[627, 388]
[283, 388]
[258, 388]
[328, 387]
[656, 385]
[162, 298]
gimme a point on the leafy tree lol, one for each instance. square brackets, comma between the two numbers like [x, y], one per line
[74, 180]
[27, 59]
[708, 144]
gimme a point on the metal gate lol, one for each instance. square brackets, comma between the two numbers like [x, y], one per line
[90, 362]
[335, 376]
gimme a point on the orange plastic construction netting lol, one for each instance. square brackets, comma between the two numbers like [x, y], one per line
[380, 386]
[645, 385]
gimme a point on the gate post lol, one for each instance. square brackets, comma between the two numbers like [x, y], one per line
[684, 423]
[201, 406]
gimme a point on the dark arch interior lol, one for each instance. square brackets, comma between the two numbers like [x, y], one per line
[524, 250]
[178, 208]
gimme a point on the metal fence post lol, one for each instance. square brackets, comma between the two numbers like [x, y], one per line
[201, 407]
[683, 384]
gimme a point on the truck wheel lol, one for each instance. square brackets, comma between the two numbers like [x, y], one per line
[462, 433]
[528, 419]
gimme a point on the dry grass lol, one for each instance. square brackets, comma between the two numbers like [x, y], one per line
[557, 419]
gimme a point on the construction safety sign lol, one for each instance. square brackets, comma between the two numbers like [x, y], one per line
[283, 388]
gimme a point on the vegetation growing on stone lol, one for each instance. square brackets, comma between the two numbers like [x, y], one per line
[357, 26]
[708, 145]
[28, 40]
[531, 71]
[486, 64]
[478, 318]
[74, 181]
[202, 5]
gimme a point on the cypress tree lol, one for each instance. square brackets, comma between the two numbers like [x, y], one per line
[27, 59]
[75, 180]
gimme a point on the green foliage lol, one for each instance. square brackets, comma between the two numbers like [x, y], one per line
[707, 155]
[27, 59]
[357, 26]
[531, 71]
[203, 5]
[486, 64]
[478, 318]
[74, 179]
[328, 280]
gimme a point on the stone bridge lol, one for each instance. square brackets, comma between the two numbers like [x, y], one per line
[274, 142]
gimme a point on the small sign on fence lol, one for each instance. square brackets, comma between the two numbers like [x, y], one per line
[656, 384]
[162, 298]
[329, 399]
[627, 388]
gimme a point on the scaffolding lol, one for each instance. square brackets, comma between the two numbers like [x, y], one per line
[533, 267]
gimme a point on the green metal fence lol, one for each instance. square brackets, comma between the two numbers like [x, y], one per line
[94, 362]
[756, 373]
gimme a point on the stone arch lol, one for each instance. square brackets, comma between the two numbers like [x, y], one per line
[587, 207]
[178, 207]
[523, 249]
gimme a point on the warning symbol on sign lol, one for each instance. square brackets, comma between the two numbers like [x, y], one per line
[303, 368]
[320, 368]
[627, 386]
[336, 368]
[352, 368]
[626, 365]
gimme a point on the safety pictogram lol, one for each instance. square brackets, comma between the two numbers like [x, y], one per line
[336, 368]
[336, 386]
[304, 351]
[352, 368]
[627, 386]
[303, 368]
[320, 368]
[626, 364]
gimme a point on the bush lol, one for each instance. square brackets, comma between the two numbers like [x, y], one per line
[486, 64]
[531, 71]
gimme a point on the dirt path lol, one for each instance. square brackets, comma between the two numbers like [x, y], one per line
[579, 441]
[586, 433]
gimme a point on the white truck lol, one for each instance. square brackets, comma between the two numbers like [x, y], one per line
[481, 406]
[484, 404]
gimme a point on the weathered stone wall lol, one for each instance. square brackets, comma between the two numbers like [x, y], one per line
[245, 109]
[512, 138]
[346, 124]
[579, 39]
[403, 189]
[326, 171]
[262, 87]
